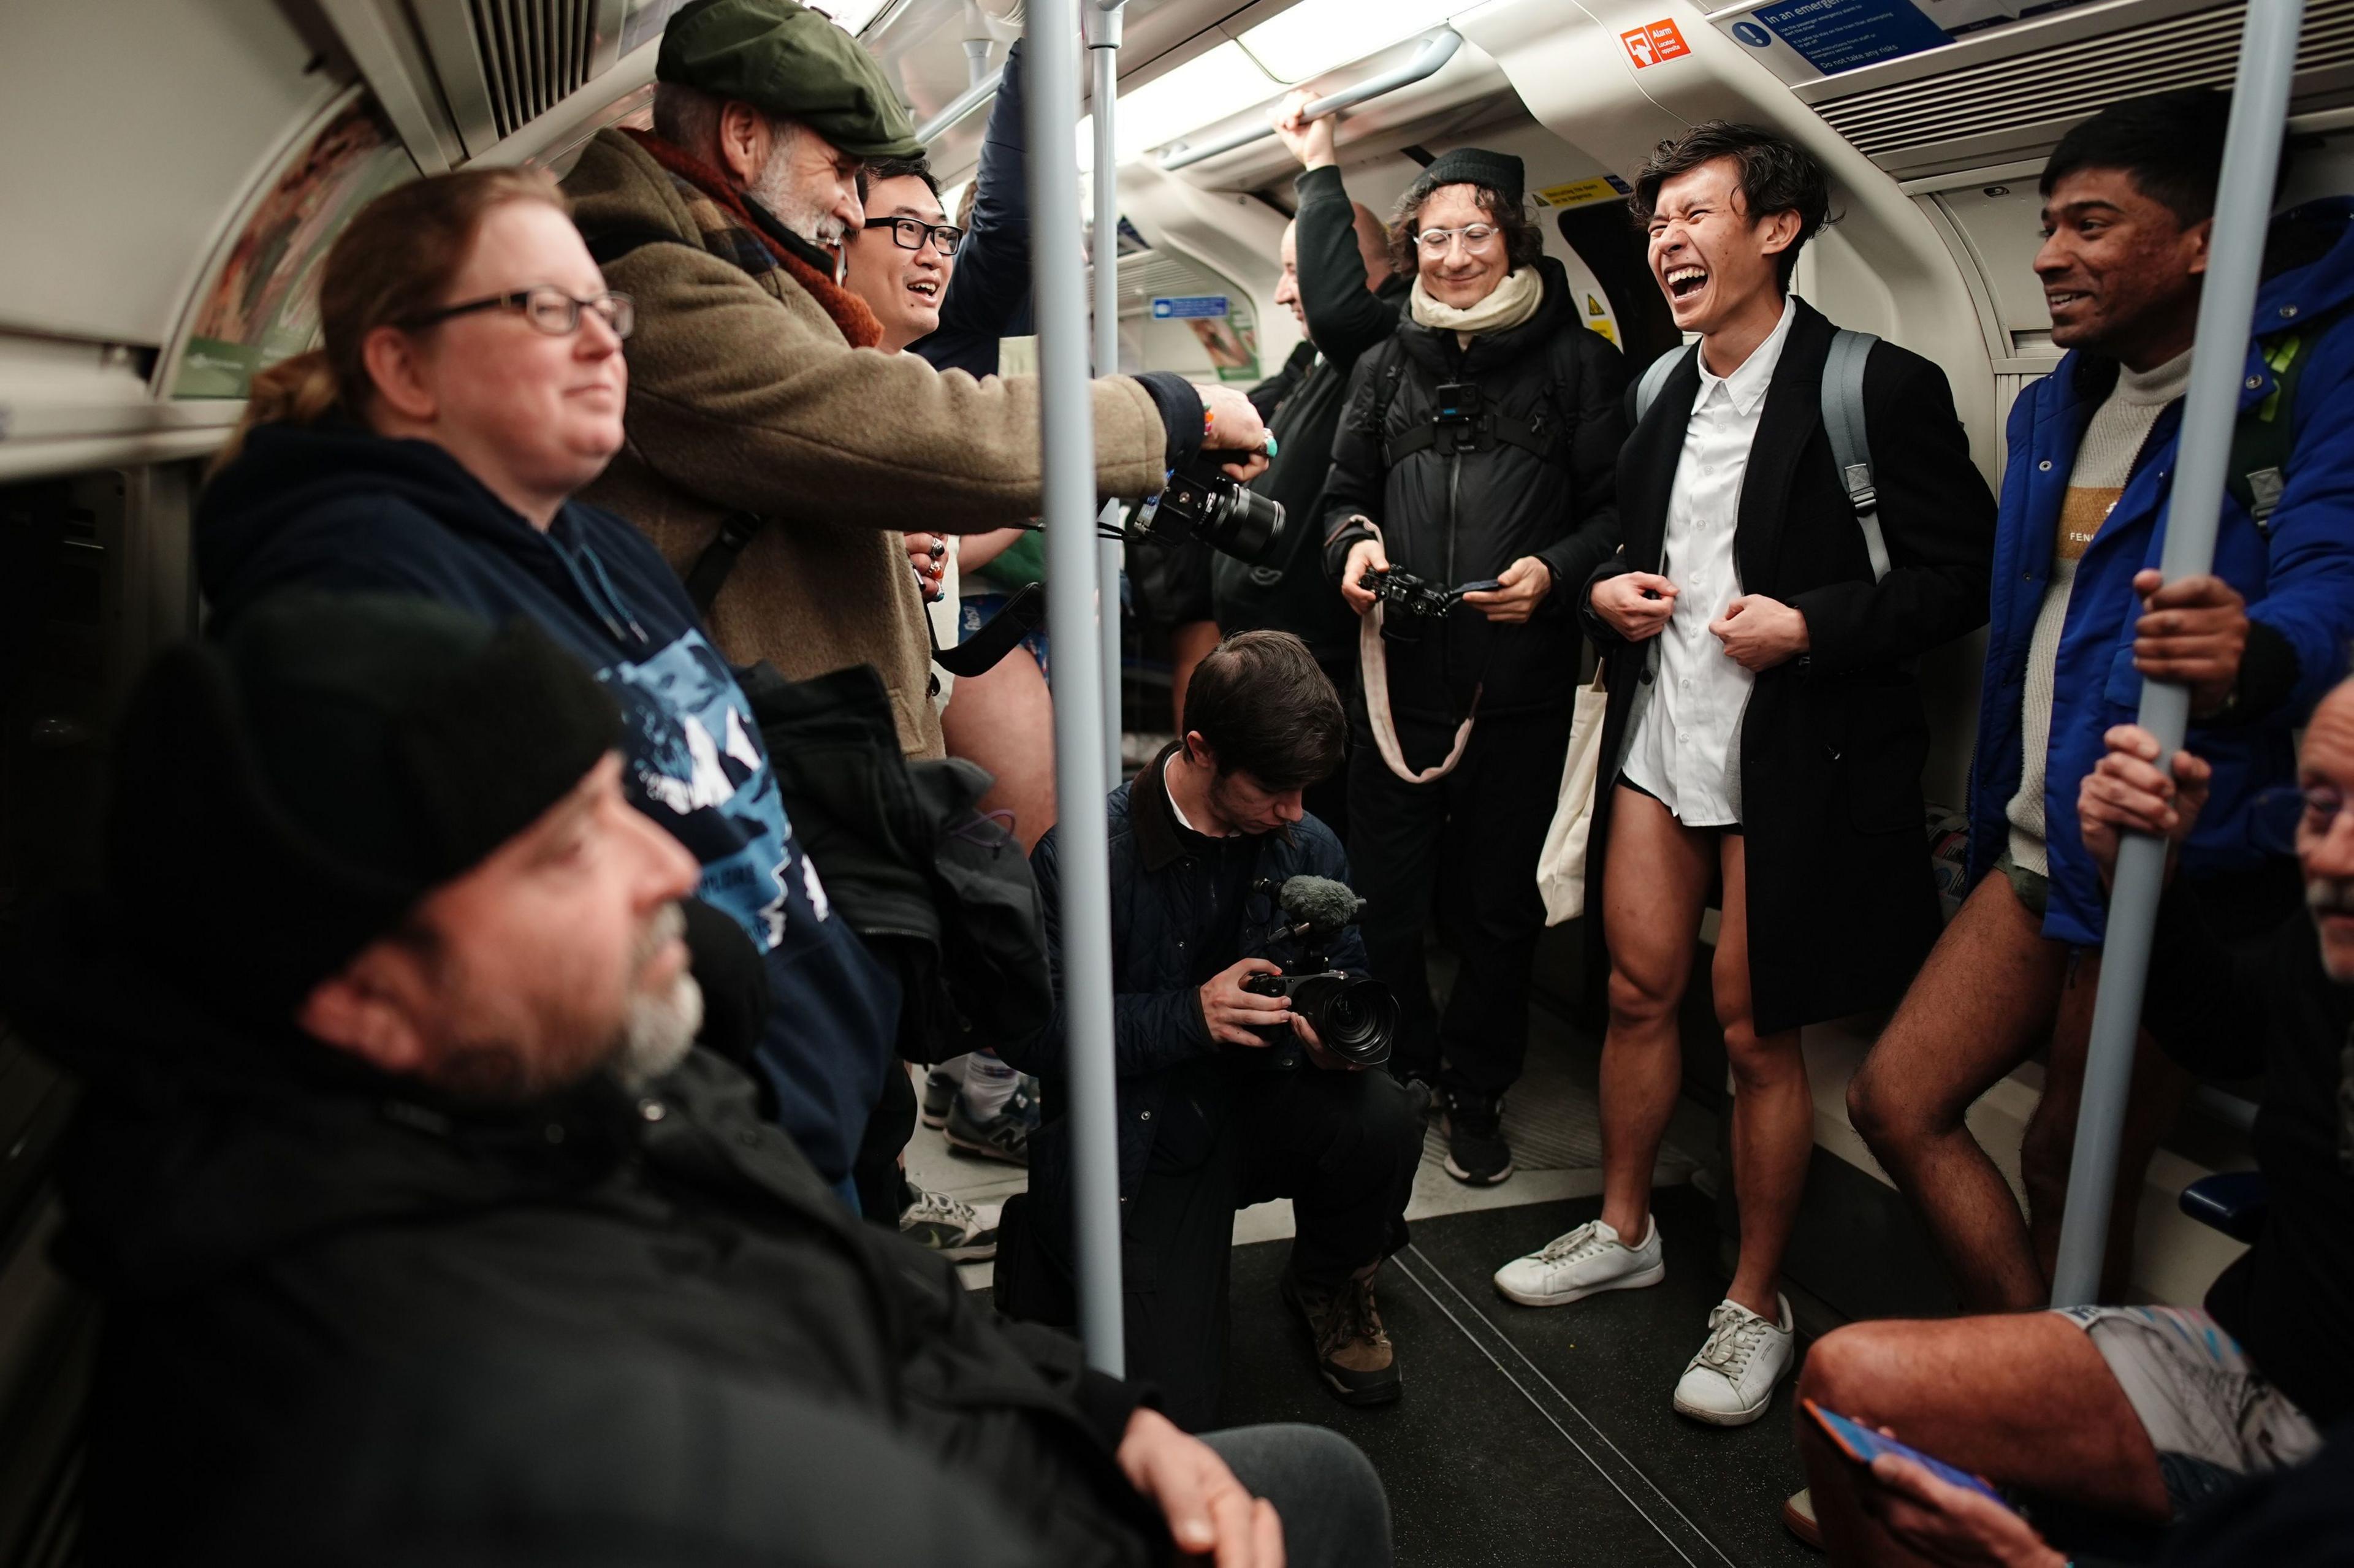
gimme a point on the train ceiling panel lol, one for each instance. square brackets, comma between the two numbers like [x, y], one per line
[133, 131]
[2012, 93]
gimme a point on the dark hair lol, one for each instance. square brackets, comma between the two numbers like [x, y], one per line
[2170, 142]
[918, 167]
[1776, 176]
[1523, 241]
[1263, 707]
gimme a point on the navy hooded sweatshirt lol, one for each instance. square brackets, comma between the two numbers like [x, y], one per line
[337, 507]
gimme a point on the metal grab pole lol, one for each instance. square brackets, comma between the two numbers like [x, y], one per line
[1101, 24]
[2210, 408]
[1068, 433]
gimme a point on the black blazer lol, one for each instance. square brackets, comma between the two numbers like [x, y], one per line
[1842, 908]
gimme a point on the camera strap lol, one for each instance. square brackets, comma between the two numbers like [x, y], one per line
[1373, 665]
[1022, 615]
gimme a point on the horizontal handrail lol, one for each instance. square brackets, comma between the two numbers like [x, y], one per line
[962, 104]
[1436, 50]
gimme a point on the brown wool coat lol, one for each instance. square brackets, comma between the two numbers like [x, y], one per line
[745, 395]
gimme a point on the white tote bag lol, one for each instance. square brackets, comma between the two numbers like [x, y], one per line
[1560, 868]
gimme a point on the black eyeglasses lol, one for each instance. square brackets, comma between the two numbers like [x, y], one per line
[909, 233]
[545, 306]
[2276, 815]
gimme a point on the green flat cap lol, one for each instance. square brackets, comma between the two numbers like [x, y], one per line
[787, 60]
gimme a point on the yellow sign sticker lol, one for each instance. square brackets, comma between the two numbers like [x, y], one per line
[1581, 193]
[1604, 328]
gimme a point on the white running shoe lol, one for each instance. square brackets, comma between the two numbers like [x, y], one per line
[1572, 1267]
[1732, 1379]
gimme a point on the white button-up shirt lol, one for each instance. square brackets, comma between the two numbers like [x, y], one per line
[1687, 745]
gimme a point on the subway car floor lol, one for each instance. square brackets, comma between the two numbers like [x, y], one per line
[1525, 1436]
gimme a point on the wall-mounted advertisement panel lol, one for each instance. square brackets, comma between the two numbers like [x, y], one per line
[263, 305]
[1805, 40]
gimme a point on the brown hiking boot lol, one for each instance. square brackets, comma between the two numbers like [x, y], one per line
[1352, 1352]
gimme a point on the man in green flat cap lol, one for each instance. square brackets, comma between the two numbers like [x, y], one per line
[772, 460]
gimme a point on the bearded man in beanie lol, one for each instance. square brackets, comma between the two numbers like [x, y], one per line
[776, 466]
[423, 1232]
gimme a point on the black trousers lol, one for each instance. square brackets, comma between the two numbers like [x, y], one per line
[1327, 800]
[1469, 842]
[1341, 1146]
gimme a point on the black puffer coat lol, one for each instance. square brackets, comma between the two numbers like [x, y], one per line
[1458, 518]
[350, 1321]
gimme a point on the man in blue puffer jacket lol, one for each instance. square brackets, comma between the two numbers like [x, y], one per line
[2079, 618]
[1227, 1097]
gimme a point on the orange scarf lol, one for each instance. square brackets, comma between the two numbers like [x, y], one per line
[848, 312]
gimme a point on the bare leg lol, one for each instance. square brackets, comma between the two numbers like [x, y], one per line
[1980, 1005]
[1004, 720]
[2022, 1399]
[1190, 642]
[2048, 1146]
[1773, 1113]
[1653, 885]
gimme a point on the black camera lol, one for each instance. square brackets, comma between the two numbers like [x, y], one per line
[1412, 599]
[1218, 510]
[1355, 1018]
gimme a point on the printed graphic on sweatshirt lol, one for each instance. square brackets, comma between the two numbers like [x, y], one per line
[697, 766]
[2081, 512]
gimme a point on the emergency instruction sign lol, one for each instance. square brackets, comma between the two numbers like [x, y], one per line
[1187, 307]
[1654, 42]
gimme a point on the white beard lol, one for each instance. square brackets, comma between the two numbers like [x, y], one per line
[809, 218]
[659, 1034]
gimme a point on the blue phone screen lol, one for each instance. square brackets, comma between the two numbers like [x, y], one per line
[1863, 1445]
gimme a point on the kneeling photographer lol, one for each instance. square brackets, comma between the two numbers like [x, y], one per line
[1471, 492]
[1243, 1030]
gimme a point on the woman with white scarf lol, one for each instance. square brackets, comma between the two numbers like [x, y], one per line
[1477, 448]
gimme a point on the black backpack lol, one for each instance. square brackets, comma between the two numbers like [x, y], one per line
[940, 893]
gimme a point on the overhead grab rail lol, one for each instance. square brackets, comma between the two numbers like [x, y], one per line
[2211, 408]
[962, 104]
[1436, 50]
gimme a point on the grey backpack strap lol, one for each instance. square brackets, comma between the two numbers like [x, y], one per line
[1850, 446]
[1655, 375]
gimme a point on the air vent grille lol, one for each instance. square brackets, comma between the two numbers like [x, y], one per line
[534, 53]
[2018, 98]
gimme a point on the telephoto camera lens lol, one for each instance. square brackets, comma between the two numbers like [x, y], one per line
[1225, 516]
[1356, 1018]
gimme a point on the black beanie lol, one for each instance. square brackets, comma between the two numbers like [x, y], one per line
[285, 796]
[1500, 172]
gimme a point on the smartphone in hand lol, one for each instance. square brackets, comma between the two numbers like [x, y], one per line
[1862, 1445]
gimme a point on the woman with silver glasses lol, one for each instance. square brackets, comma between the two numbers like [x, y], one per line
[1475, 450]
[470, 379]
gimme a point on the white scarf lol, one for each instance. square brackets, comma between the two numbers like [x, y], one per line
[1508, 304]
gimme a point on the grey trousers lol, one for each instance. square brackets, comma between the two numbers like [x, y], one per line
[1334, 1513]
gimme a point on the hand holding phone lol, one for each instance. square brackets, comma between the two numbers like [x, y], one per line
[1862, 1445]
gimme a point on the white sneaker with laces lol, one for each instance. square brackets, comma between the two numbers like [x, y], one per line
[1732, 1379]
[1574, 1267]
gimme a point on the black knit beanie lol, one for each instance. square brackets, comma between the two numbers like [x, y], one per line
[1500, 172]
[285, 796]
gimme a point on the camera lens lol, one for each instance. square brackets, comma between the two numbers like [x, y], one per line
[1356, 1018]
[1242, 524]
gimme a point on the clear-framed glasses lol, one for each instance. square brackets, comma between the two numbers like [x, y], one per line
[1434, 242]
[2276, 816]
[545, 306]
[909, 233]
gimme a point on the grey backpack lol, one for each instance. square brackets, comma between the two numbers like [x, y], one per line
[1842, 421]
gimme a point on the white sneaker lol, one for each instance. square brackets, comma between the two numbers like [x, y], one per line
[1732, 1379]
[1573, 1267]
